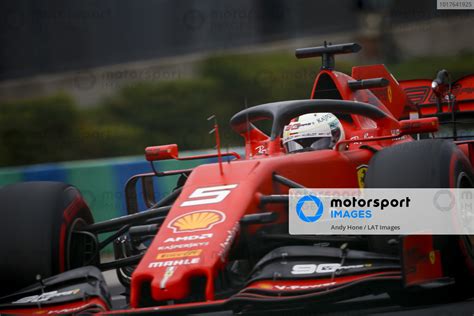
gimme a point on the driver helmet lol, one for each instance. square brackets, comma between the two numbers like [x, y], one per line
[313, 131]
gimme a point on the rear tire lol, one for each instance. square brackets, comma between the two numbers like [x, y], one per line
[37, 219]
[428, 164]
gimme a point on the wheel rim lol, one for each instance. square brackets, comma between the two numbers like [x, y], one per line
[76, 225]
[464, 182]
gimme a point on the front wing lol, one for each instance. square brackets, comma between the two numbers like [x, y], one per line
[275, 284]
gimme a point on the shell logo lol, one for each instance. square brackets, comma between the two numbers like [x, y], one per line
[196, 221]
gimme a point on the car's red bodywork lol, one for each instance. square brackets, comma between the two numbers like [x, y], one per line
[252, 177]
[202, 226]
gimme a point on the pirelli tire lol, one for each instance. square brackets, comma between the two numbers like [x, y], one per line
[431, 163]
[37, 221]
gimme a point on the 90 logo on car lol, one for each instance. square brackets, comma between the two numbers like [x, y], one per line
[323, 268]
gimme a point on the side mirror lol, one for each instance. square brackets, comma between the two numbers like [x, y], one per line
[163, 152]
[423, 125]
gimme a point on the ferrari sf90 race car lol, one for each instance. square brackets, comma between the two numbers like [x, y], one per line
[220, 240]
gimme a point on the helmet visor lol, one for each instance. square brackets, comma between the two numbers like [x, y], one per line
[315, 143]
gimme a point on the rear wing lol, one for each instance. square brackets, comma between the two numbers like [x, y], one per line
[454, 106]
[419, 92]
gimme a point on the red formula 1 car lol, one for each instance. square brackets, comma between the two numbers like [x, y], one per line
[220, 241]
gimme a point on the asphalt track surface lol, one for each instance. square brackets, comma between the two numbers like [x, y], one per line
[367, 305]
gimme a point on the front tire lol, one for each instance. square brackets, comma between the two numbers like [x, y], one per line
[37, 220]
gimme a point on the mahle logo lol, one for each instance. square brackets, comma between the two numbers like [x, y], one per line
[313, 208]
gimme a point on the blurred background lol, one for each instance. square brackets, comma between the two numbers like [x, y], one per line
[86, 85]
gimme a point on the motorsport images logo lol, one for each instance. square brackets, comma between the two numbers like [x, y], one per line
[354, 211]
[309, 208]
